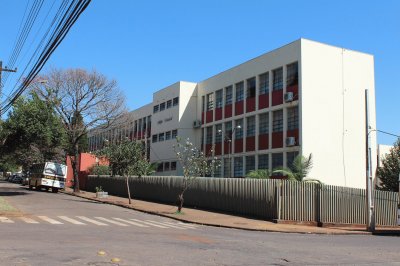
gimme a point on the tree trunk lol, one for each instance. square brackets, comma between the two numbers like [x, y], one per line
[180, 201]
[75, 168]
[127, 186]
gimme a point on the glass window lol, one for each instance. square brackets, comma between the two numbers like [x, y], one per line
[160, 167]
[174, 133]
[277, 122]
[169, 104]
[264, 83]
[277, 160]
[168, 135]
[227, 168]
[209, 135]
[228, 130]
[161, 137]
[166, 166]
[162, 107]
[239, 91]
[277, 79]
[263, 161]
[293, 118]
[155, 108]
[251, 126]
[251, 88]
[218, 133]
[217, 170]
[173, 166]
[155, 138]
[219, 95]
[264, 123]
[238, 167]
[228, 95]
[210, 101]
[292, 75]
[290, 158]
[239, 129]
[175, 101]
[203, 103]
[250, 163]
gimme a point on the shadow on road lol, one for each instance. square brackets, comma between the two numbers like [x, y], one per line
[8, 192]
[88, 201]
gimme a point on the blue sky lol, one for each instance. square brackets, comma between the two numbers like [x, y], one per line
[148, 45]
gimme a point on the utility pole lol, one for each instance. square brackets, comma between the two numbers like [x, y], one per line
[369, 191]
[5, 70]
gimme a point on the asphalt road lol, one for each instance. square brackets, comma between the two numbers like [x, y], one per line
[58, 229]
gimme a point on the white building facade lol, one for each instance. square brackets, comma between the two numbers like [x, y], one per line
[303, 98]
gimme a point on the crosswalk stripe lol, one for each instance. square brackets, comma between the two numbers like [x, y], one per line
[150, 223]
[91, 221]
[6, 220]
[130, 222]
[49, 220]
[73, 221]
[28, 220]
[111, 221]
[170, 225]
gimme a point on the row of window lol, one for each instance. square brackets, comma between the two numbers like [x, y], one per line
[166, 105]
[263, 125]
[244, 164]
[251, 84]
[166, 166]
[165, 136]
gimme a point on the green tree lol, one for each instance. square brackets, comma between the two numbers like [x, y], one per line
[126, 159]
[299, 169]
[194, 164]
[32, 133]
[388, 173]
[259, 174]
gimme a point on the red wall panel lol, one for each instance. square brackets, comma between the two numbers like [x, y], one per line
[250, 104]
[295, 90]
[226, 147]
[218, 148]
[263, 101]
[218, 114]
[202, 118]
[238, 145]
[208, 150]
[239, 107]
[209, 116]
[277, 140]
[228, 110]
[263, 140]
[277, 97]
[250, 143]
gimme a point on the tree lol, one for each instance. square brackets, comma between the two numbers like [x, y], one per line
[194, 164]
[388, 173]
[259, 174]
[32, 133]
[299, 169]
[126, 158]
[84, 100]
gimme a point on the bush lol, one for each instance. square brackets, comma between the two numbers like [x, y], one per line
[100, 170]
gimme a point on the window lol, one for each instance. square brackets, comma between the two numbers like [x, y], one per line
[277, 122]
[218, 133]
[228, 95]
[239, 129]
[217, 170]
[238, 167]
[169, 104]
[228, 130]
[160, 167]
[290, 158]
[166, 166]
[293, 118]
[292, 75]
[209, 135]
[277, 79]
[263, 161]
[203, 103]
[250, 163]
[219, 95]
[161, 137]
[202, 137]
[251, 88]
[174, 133]
[162, 107]
[175, 101]
[264, 123]
[210, 101]
[173, 166]
[264, 83]
[251, 126]
[155, 109]
[227, 167]
[239, 91]
[168, 135]
[155, 138]
[277, 160]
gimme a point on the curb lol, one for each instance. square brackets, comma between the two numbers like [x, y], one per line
[211, 224]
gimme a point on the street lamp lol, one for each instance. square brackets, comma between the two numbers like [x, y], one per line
[229, 139]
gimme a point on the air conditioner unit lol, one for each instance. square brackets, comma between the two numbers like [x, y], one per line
[289, 97]
[197, 124]
[290, 141]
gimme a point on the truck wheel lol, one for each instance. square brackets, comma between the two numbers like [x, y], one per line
[54, 190]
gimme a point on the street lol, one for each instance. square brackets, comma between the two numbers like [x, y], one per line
[59, 229]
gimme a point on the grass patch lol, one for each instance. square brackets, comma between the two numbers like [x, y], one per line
[5, 206]
[179, 213]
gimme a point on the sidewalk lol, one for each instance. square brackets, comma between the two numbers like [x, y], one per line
[225, 220]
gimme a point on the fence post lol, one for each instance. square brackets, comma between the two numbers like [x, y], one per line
[278, 200]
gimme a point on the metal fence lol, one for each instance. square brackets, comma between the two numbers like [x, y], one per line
[268, 199]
